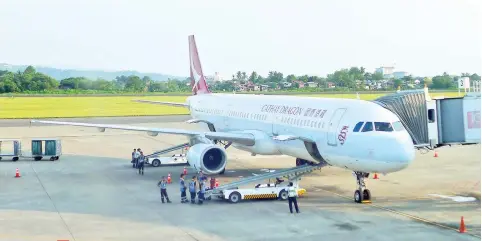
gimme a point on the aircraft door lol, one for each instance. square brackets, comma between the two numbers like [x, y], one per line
[333, 126]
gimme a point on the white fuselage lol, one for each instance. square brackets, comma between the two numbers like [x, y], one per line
[328, 122]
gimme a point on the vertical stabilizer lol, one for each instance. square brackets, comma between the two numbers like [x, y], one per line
[198, 81]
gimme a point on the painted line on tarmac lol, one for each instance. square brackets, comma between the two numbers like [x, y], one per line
[53, 203]
[404, 214]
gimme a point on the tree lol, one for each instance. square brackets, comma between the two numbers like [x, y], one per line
[274, 76]
[253, 77]
[427, 81]
[377, 76]
[290, 78]
[134, 83]
[475, 77]
[442, 82]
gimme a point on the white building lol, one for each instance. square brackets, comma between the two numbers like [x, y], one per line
[214, 78]
[400, 74]
[386, 71]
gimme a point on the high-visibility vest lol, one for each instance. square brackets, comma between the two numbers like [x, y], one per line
[291, 191]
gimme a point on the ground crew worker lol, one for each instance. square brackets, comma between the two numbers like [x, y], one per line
[136, 156]
[292, 197]
[163, 185]
[192, 189]
[140, 163]
[133, 158]
[212, 182]
[200, 178]
[202, 190]
[182, 187]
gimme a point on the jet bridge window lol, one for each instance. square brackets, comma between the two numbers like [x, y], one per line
[358, 126]
[383, 126]
[368, 127]
[431, 116]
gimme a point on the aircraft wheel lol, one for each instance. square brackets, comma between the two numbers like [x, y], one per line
[357, 197]
[366, 194]
[234, 197]
[156, 162]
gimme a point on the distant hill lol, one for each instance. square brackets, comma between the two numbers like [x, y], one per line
[60, 74]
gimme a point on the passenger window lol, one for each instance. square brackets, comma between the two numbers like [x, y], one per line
[383, 126]
[368, 127]
[398, 126]
[358, 126]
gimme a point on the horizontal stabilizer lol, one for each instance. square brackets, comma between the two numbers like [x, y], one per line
[162, 103]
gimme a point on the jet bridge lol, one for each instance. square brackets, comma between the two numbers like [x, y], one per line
[436, 122]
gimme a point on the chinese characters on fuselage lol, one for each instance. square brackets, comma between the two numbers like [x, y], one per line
[290, 110]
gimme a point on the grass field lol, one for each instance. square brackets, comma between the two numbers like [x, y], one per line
[50, 107]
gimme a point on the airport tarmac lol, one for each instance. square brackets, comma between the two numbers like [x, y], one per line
[93, 193]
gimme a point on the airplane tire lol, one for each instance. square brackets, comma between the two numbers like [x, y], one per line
[234, 197]
[366, 194]
[357, 197]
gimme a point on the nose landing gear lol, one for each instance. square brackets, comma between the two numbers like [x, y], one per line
[362, 195]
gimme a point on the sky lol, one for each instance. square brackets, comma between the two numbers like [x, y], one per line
[317, 37]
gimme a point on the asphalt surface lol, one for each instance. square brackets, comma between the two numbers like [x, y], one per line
[88, 198]
[93, 193]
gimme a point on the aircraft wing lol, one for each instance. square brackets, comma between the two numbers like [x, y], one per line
[162, 103]
[242, 138]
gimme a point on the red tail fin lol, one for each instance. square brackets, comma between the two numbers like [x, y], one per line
[198, 81]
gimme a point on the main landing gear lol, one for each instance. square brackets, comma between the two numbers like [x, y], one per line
[362, 195]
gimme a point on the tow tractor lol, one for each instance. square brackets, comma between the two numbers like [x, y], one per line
[156, 160]
[277, 190]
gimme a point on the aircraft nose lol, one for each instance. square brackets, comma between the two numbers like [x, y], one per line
[405, 153]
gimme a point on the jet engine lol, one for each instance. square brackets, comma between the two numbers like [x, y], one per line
[209, 158]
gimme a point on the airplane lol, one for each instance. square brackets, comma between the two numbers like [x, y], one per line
[353, 134]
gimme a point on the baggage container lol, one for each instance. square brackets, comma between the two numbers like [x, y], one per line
[10, 149]
[50, 148]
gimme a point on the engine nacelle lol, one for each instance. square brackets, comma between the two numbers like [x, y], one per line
[209, 158]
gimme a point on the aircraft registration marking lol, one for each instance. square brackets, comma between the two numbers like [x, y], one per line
[342, 135]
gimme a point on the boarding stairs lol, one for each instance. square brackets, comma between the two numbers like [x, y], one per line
[290, 173]
[167, 150]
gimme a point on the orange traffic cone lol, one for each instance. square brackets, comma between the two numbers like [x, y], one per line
[435, 154]
[375, 176]
[217, 183]
[17, 173]
[462, 225]
[184, 171]
[169, 178]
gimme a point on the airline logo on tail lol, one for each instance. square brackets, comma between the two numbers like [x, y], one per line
[198, 82]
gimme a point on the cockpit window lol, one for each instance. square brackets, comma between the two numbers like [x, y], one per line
[383, 126]
[358, 126]
[368, 127]
[398, 126]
